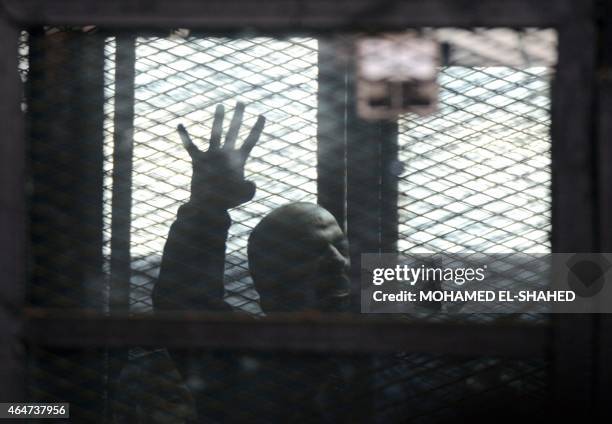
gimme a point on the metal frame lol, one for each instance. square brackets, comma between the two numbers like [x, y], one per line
[289, 333]
[574, 206]
[12, 216]
[120, 262]
[575, 224]
[281, 15]
[604, 153]
[122, 173]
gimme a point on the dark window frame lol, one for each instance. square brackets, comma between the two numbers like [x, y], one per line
[578, 171]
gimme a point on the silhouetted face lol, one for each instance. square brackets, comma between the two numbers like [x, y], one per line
[299, 260]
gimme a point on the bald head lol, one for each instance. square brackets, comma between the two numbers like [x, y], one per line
[298, 257]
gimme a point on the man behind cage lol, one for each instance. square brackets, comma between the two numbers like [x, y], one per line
[298, 259]
[298, 255]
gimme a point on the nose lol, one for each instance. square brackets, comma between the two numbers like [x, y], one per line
[334, 258]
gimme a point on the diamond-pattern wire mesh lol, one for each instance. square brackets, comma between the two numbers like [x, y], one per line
[108, 148]
[433, 385]
[64, 126]
[477, 174]
[458, 132]
[64, 109]
[383, 388]
[231, 388]
[476, 178]
[181, 81]
[429, 388]
[515, 48]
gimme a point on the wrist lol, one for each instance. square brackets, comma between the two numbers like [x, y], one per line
[202, 209]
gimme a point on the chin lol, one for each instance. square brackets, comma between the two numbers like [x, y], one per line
[339, 281]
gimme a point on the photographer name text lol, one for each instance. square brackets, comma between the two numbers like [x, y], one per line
[475, 296]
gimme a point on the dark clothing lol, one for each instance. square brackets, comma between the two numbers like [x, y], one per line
[235, 387]
[151, 390]
[191, 273]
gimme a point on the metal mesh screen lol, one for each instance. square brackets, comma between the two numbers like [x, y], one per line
[473, 177]
[109, 130]
[265, 387]
[181, 81]
[477, 174]
[428, 389]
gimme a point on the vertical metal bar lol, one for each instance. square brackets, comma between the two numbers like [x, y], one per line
[390, 169]
[123, 140]
[54, 258]
[87, 124]
[604, 138]
[88, 121]
[66, 117]
[604, 372]
[331, 134]
[66, 133]
[120, 265]
[371, 211]
[372, 181]
[574, 207]
[12, 216]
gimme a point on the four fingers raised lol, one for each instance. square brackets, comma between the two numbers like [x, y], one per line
[253, 137]
[232, 133]
[217, 128]
[187, 143]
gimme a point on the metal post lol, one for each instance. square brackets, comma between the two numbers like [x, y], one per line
[120, 264]
[604, 139]
[12, 217]
[574, 207]
[331, 129]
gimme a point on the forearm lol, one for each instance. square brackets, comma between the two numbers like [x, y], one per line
[191, 272]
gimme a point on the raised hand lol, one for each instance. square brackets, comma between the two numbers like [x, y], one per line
[218, 173]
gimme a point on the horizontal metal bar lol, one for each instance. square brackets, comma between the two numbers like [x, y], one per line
[306, 333]
[319, 15]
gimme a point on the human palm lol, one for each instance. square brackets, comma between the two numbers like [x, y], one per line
[218, 173]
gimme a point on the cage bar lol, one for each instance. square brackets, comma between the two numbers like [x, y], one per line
[331, 131]
[574, 223]
[604, 153]
[279, 15]
[290, 332]
[576, 188]
[12, 217]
